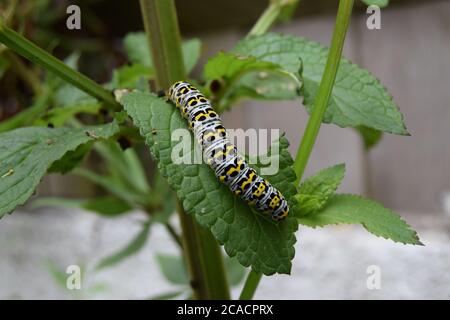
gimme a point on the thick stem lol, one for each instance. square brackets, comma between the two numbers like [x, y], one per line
[251, 283]
[205, 261]
[161, 26]
[32, 52]
[325, 88]
[202, 252]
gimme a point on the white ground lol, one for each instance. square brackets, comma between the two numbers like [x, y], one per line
[330, 263]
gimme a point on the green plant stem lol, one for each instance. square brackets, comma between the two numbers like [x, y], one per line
[251, 283]
[32, 52]
[325, 88]
[272, 13]
[171, 230]
[201, 250]
[161, 26]
[204, 259]
[267, 19]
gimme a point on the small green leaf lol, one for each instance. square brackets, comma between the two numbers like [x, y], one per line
[136, 244]
[247, 77]
[380, 3]
[57, 202]
[137, 49]
[357, 98]
[68, 95]
[315, 191]
[129, 76]
[369, 136]
[126, 165]
[108, 206]
[111, 185]
[27, 153]
[351, 209]
[173, 268]
[228, 65]
[255, 240]
[58, 275]
[60, 115]
[191, 53]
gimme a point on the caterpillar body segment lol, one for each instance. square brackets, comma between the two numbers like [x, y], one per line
[222, 156]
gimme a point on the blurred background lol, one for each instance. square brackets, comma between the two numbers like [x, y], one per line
[409, 55]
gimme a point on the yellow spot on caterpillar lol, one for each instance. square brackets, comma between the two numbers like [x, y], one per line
[248, 181]
[273, 203]
[238, 168]
[260, 190]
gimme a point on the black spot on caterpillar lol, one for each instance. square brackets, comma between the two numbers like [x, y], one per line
[229, 167]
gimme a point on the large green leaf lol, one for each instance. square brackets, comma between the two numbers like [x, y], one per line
[350, 209]
[315, 191]
[27, 153]
[256, 241]
[357, 98]
[137, 49]
[240, 77]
